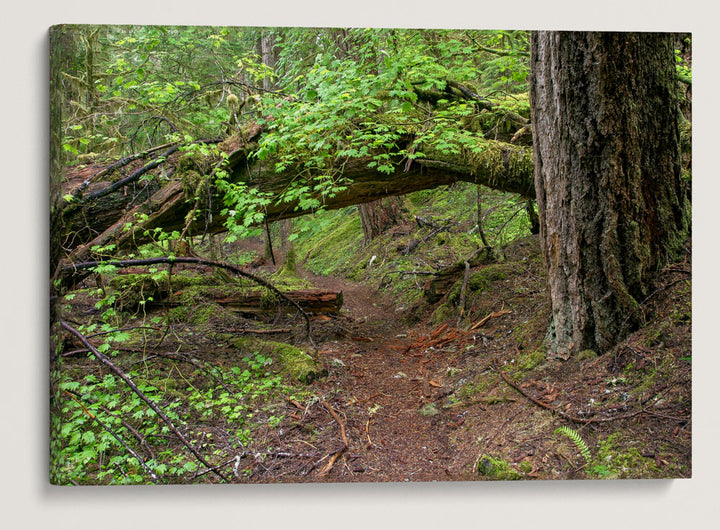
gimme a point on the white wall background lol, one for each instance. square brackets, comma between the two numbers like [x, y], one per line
[27, 499]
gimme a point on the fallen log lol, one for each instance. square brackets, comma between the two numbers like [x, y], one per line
[128, 219]
[313, 301]
[443, 280]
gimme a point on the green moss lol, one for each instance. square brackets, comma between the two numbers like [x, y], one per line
[135, 288]
[292, 362]
[178, 314]
[525, 466]
[531, 360]
[442, 313]
[286, 278]
[618, 458]
[201, 315]
[429, 409]
[471, 389]
[494, 399]
[330, 241]
[587, 355]
[496, 468]
[178, 281]
[191, 182]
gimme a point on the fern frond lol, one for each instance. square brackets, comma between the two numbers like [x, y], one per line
[577, 440]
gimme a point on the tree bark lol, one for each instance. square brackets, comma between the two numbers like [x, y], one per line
[378, 216]
[612, 205]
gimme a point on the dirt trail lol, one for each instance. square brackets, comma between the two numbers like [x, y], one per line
[416, 403]
[384, 389]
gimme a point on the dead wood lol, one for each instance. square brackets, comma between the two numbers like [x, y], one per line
[463, 292]
[494, 314]
[335, 416]
[333, 458]
[505, 166]
[69, 272]
[313, 301]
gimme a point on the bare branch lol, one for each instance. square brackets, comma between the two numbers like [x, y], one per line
[122, 375]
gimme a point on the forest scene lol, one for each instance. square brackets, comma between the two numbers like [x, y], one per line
[301, 255]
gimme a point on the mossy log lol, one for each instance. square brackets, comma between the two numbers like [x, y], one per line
[498, 165]
[240, 300]
[311, 300]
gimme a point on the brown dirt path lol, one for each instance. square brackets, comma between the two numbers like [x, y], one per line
[419, 404]
[384, 389]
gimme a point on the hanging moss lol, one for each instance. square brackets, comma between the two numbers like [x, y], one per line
[191, 182]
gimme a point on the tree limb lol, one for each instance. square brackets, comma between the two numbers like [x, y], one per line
[122, 375]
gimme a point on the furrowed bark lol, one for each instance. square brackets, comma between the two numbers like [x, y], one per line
[612, 205]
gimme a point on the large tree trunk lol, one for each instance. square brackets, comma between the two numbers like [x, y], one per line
[378, 216]
[612, 206]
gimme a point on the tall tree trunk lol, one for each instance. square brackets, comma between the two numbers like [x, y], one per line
[60, 42]
[377, 216]
[267, 44]
[612, 206]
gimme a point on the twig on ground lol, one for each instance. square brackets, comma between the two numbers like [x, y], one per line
[333, 458]
[337, 419]
[494, 314]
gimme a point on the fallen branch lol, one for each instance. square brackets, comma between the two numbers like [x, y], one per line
[133, 176]
[122, 375]
[326, 469]
[112, 167]
[434, 334]
[494, 314]
[337, 419]
[263, 331]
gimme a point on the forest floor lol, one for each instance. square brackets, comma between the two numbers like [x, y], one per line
[404, 399]
[416, 402]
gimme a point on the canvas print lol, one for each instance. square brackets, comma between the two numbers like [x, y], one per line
[368, 255]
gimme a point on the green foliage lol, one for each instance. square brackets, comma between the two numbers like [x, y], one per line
[530, 360]
[577, 440]
[496, 468]
[84, 451]
[374, 96]
[618, 458]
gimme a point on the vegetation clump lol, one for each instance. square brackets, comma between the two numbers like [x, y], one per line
[291, 361]
[495, 468]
